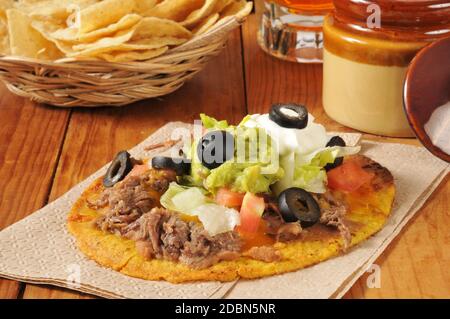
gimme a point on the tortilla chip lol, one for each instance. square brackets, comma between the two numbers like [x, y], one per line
[101, 45]
[220, 5]
[153, 43]
[124, 56]
[55, 13]
[88, 28]
[149, 33]
[148, 44]
[240, 9]
[26, 41]
[71, 34]
[4, 37]
[46, 29]
[368, 213]
[142, 7]
[197, 15]
[103, 14]
[155, 27]
[52, 9]
[5, 5]
[206, 24]
[176, 10]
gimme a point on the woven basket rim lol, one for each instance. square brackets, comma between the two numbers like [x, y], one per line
[227, 24]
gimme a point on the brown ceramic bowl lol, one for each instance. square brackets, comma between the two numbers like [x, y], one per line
[427, 86]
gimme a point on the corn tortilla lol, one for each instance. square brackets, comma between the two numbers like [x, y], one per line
[369, 211]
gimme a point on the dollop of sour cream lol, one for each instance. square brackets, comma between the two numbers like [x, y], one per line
[438, 127]
[289, 140]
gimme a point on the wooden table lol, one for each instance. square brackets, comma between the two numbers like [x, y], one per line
[44, 151]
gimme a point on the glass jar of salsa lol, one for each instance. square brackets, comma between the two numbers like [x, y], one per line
[368, 46]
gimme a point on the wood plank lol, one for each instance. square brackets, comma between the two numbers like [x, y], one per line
[31, 136]
[10, 289]
[95, 136]
[52, 292]
[417, 263]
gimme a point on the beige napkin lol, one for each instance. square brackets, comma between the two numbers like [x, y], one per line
[38, 249]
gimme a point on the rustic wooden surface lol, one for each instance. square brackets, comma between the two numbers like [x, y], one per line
[44, 151]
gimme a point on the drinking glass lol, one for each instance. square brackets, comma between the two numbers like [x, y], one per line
[292, 29]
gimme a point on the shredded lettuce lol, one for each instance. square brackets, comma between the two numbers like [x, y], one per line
[300, 155]
[211, 123]
[242, 177]
[287, 162]
[183, 199]
[189, 199]
[311, 178]
[326, 155]
[246, 119]
[249, 171]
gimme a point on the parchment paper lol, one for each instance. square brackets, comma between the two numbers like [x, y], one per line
[38, 249]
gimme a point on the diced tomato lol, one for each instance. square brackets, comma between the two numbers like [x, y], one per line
[348, 177]
[251, 211]
[256, 239]
[228, 198]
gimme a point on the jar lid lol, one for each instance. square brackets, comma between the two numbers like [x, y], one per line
[399, 12]
[427, 97]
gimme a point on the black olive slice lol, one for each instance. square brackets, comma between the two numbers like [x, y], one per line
[297, 204]
[119, 168]
[215, 148]
[181, 166]
[335, 141]
[289, 115]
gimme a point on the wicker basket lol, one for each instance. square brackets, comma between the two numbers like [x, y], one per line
[68, 83]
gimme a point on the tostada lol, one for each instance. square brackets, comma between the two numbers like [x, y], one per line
[270, 195]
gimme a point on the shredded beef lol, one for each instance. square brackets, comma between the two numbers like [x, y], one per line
[264, 253]
[332, 214]
[130, 198]
[175, 233]
[159, 233]
[204, 250]
[164, 235]
[281, 230]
